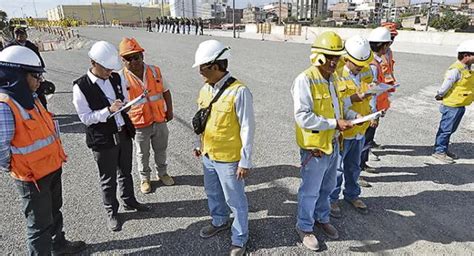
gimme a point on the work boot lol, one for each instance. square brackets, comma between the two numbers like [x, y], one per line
[452, 155]
[308, 239]
[335, 211]
[237, 250]
[211, 230]
[136, 207]
[114, 223]
[145, 186]
[363, 183]
[328, 229]
[166, 179]
[359, 205]
[68, 247]
[443, 157]
[374, 144]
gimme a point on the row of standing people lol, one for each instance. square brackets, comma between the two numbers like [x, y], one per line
[327, 96]
[176, 25]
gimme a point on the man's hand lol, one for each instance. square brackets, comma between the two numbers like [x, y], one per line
[438, 97]
[359, 116]
[116, 105]
[343, 125]
[197, 152]
[242, 173]
[169, 116]
[374, 123]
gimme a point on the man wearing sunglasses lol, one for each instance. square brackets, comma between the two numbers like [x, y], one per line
[96, 96]
[149, 117]
[30, 149]
[225, 146]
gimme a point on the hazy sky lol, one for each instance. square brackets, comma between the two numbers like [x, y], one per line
[18, 8]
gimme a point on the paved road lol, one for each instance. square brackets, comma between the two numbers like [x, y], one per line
[417, 205]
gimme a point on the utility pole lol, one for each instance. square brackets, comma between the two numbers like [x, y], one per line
[428, 16]
[162, 8]
[279, 15]
[34, 6]
[141, 14]
[233, 17]
[182, 4]
[102, 12]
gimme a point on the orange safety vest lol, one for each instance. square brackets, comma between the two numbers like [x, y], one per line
[152, 109]
[383, 102]
[36, 149]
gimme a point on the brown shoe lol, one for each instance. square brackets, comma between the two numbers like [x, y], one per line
[359, 205]
[364, 183]
[308, 239]
[443, 157]
[335, 211]
[145, 186]
[237, 250]
[166, 179]
[328, 229]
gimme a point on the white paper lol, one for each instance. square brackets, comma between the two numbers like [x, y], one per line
[367, 117]
[380, 88]
[129, 104]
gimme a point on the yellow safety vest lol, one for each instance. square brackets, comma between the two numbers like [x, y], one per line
[462, 92]
[322, 106]
[347, 88]
[221, 137]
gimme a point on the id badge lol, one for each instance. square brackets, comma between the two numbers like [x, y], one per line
[116, 139]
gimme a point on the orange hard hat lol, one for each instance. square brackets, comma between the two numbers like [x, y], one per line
[128, 46]
[392, 27]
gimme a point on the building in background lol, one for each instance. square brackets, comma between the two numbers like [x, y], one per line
[309, 10]
[184, 8]
[238, 15]
[253, 14]
[274, 10]
[124, 13]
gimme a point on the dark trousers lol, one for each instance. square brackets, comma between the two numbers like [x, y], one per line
[42, 209]
[116, 164]
[369, 139]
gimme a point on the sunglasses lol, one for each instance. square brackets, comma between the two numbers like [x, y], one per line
[132, 57]
[37, 76]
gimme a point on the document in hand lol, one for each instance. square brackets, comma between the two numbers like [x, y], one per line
[380, 88]
[367, 117]
[137, 100]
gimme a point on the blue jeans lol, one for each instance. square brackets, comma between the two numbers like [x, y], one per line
[450, 119]
[225, 191]
[349, 170]
[318, 179]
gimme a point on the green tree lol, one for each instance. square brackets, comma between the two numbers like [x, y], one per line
[450, 20]
[3, 20]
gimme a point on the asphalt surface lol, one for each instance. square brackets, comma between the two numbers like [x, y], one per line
[418, 206]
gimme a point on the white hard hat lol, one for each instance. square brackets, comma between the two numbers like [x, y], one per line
[380, 35]
[106, 55]
[358, 50]
[21, 57]
[466, 46]
[210, 51]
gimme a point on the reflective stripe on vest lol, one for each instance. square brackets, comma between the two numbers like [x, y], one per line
[37, 145]
[156, 97]
[23, 112]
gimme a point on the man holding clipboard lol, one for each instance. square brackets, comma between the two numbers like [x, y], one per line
[96, 96]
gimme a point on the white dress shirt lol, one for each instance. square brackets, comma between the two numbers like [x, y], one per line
[451, 77]
[245, 114]
[87, 115]
[303, 106]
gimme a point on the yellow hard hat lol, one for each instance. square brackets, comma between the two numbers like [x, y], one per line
[328, 43]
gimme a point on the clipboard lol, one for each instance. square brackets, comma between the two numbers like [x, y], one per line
[137, 100]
